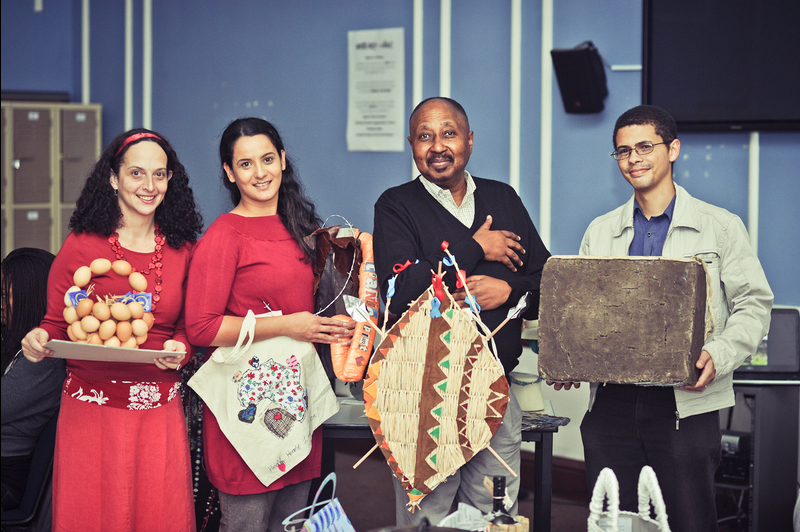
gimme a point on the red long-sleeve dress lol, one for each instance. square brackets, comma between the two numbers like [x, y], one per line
[240, 264]
[122, 451]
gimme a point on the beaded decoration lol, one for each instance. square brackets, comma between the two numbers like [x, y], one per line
[155, 261]
[112, 320]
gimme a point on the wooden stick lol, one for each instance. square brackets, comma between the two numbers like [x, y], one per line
[455, 265]
[376, 446]
[440, 271]
[498, 328]
[501, 461]
[385, 317]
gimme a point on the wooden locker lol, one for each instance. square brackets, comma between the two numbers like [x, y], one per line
[66, 214]
[48, 150]
[32, 155]
[32, 228]
[78, 150]
[3, 177]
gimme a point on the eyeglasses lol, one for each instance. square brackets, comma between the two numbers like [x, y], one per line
[643, 148]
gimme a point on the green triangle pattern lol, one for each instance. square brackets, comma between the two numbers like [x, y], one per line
[435, 432]
[433, 459]
[438, 411]
[445, 364]
[415, 491]
[443, 386]
[449, 313]
[446, 337]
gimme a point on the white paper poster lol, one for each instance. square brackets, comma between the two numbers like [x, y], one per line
[376, 90]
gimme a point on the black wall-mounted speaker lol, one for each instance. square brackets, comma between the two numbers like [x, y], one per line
[581, 78]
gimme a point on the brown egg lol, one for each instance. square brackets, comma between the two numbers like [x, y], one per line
[121, 267]
[107, 329]
[137, 309]
[100, 266]
[95, 339]
[101, 311]
[71, 334]
[78, 331]
[67, 301]
[90, 324]
[82, 276]
[120, 311]
[139, 327]
[148, 317]
[124, 331]
[130, 343]
[141, 339]
[84, 307]
[137, 282]
[113, 342]
[70, 315]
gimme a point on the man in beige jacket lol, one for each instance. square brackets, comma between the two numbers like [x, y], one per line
[674, 430]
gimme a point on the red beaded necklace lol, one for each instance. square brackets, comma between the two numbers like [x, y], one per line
[155, 262]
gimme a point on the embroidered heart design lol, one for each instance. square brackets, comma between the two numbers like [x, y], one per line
[278, 416]
[282, 467]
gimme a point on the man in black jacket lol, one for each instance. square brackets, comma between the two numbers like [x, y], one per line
[493, 239]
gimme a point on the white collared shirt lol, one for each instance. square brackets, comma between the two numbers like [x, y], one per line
[465, 213]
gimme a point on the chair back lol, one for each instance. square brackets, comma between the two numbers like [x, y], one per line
[39, 478]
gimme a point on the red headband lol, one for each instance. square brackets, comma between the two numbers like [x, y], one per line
[136, 137]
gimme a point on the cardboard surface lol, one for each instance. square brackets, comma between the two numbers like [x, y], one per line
[627, 320]
[104, 353]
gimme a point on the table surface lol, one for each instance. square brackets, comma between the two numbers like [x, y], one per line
[351, 422]
[351, 415]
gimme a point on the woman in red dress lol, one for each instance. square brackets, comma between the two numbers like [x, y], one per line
[255, 258]
[122, 452]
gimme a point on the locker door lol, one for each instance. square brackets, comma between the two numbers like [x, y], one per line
[3, 159]
[32, 156]
[78, 141]
[32, 228]
[66, 214]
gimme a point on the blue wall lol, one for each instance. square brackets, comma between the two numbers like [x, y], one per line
[287, 62]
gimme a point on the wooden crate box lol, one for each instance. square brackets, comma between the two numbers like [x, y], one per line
[627, 320]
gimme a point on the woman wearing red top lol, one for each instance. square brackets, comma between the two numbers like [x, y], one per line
[122, 453]
[254, 258]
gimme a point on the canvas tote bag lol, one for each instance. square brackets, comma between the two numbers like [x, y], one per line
[268, 398]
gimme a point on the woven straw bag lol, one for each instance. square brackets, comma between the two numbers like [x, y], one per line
[613, 519]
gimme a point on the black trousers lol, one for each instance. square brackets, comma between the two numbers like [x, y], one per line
[633, 426]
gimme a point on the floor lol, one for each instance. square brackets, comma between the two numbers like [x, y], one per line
[367, 496]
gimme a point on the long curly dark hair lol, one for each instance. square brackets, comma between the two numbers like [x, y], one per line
[297, 211]
[25, 272]
[97, 209]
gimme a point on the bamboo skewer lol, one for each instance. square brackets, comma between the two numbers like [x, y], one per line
[386, 316]
[458, 271]
[501, 460]
[502, 323]
[373, 450]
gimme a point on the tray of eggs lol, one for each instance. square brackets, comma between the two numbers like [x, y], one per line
[115, 321]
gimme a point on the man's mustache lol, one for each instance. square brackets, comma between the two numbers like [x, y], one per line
[435, 158]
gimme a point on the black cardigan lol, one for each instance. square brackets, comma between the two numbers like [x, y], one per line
[410, 224]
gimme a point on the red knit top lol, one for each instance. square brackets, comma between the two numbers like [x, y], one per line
[240, 264]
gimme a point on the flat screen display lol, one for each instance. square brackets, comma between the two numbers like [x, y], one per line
[778, 356]
[720, 65]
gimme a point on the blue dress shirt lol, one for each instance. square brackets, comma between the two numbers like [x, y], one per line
[649, 235]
